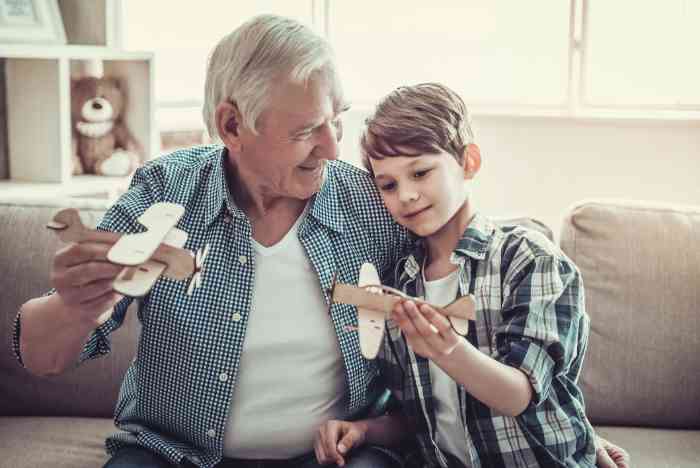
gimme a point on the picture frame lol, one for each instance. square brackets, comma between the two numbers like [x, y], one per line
[31, 22]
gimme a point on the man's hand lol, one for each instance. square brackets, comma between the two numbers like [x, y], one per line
[335, 439]
[83, 279]
[428, 332]
[609, 455]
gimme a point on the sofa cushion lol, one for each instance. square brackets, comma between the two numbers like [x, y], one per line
[641, 269]
[654, 448]
[30, 442]
[26, 252]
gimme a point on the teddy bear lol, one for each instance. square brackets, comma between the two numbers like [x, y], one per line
[102, 144]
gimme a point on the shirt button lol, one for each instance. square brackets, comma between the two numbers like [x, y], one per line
[242, 259]
[223, 377]
[211, 433]
[236, 317]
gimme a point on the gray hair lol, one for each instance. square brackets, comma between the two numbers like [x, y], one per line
[245, 64]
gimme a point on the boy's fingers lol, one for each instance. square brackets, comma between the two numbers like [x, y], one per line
[424, 328]
[438, 320]
[603, 460]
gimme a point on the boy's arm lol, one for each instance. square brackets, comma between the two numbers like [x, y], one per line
[497, 385]
[537, 339]
[336, 438]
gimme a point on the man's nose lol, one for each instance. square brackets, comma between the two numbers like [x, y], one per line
[328, 145]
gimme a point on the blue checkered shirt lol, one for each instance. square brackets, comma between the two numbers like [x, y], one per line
[172, 400]
[530, 315]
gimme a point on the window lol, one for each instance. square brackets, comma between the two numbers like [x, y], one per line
[567, 56]
[183, 33]
[642, 54]
[498, 52]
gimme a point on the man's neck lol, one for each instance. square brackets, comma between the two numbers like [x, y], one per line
[271, 216]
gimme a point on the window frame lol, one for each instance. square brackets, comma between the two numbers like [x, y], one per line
[174, 116]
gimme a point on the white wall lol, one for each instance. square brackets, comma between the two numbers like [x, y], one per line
[539, 166]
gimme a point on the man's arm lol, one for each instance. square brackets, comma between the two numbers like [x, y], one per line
[53, 329]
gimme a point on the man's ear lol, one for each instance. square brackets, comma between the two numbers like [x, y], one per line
[228, 123]
[471, 160]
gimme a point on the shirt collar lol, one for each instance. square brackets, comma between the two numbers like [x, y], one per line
[217, 192]
[474, 243]
[325, 206]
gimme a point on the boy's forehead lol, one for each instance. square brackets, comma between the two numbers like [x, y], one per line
[390, 165]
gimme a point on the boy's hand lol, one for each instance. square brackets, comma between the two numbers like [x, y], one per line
[609, 455]
[428, 332]
[335, 439]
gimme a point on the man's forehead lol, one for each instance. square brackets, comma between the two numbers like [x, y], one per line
[301, 102]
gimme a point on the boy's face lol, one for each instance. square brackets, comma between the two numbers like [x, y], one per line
[422, 193]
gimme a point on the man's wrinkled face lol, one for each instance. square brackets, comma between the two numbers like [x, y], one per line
[297, 133]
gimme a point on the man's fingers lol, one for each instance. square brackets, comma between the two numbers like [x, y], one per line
[319, 447]
[85, 273]
[104, 302]
[349, 440]
[75, 254]
[330, 434]
[82, 296]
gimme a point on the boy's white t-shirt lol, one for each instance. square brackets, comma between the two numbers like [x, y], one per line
[291, 377]
[451, 433]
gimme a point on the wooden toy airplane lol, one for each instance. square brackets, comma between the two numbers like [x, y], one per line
[373, 308]
[147, 255]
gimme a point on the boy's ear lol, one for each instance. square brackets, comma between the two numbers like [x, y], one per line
[471, 161]
[228, 123]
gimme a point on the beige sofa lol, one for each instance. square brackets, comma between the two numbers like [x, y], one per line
[641, 265]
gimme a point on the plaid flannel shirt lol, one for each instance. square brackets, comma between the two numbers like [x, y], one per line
[176, 394]
[530, 315]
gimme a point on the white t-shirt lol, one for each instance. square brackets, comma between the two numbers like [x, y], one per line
[291, 378]
[451, 434]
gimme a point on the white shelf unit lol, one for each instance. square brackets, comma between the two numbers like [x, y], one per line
[37, 111]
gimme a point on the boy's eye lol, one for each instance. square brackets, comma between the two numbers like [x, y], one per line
[419, 174]
[388, 187]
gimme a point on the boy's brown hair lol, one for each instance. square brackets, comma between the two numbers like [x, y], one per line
[413, 120]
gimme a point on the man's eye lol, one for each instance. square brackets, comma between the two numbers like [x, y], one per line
[303, 135]
[338, 124]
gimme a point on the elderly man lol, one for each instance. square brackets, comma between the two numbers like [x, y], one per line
[245, 370]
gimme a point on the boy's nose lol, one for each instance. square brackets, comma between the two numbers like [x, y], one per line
[409, 195]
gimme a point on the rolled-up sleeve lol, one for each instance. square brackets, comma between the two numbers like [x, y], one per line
[542, 310]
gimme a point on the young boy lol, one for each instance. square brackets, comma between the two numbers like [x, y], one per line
[506, 395]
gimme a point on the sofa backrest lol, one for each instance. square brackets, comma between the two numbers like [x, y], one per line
[26, 253]
[641, 269]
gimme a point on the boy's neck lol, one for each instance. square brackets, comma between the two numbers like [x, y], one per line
[442, 243]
